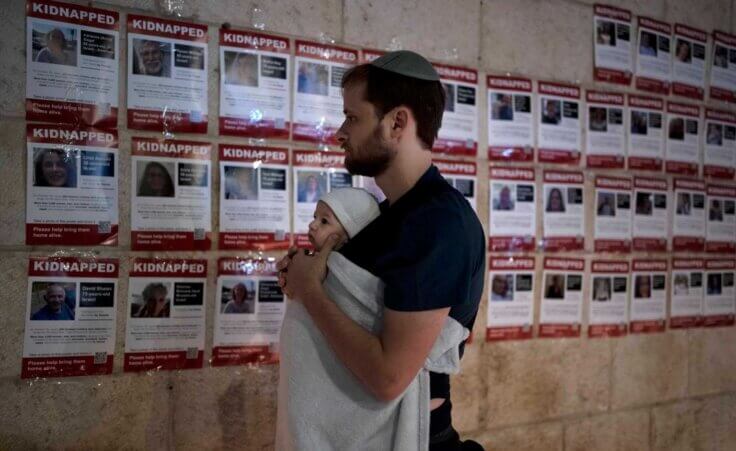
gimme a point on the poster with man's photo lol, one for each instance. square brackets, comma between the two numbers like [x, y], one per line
[461, 175]
[167, 75]
[249, 310]
[563, 204]
[651, 224]
[688, 61]
[512, 209]
[612, 230]
[612, 44]
[459, 132]
[558, 129]
[688, 226]
[510, 314]
[686, 292]
[723, 67]
[609, 297]
[255, 84]
[683, 139]
[318, 111]
[653, 56]
[719, 301]
[510, 119]
[648, 311]
[606, 132]
[720, 223]
[646, 139]
[562, 297]
[165, 314]
[70, 317]
[72, 54]
[719, 156]
[170, 194]
[254, 198]
[71, 185]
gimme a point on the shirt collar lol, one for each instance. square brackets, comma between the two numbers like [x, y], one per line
[431, 175]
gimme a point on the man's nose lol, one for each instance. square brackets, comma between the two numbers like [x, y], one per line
[340, 136]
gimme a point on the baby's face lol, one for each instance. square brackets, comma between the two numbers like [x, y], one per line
[323, 225]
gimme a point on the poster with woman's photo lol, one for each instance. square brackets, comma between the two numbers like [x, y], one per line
[609, 297]
[255, 84]
[249, 309]
[651, 224]
[254, 198]
[646, 139]
[683, 139]
[510, 120]
[510, 314]
[165, 314]
[171, 188]
[318, 110]
[558, 129]
[720, 223]
[612, 44]
[71, 185]
[653, 56]
[167, 75]
[605, 136]
[72, 55]
[688, 61]
[719, 156]
[562, 297]
[723, 67]
[719, 301]
[612, 231]
[648, 311]
[459, 132]
[512, 209]
[70, 317]
[563, 203]
[686, 292]
[688, 226]
[461, 175]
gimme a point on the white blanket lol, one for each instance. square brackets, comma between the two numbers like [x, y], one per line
[322, 406]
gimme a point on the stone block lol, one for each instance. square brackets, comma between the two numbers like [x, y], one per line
[715, 423]
[711, 14]
[13, 276]
[615, 432]
[537, 437]
[674, 426]
[12, 181]
[712, 361]
[651, 8]
[13, 55]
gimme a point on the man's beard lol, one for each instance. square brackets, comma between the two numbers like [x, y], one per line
[371, 158]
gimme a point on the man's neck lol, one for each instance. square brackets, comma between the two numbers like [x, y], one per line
[403, 174]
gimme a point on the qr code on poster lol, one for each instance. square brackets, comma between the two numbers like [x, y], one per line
[199, 234]
[192, 353]
[103, 227]
[100, 358]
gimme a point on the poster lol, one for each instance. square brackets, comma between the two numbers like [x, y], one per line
[558, 132]
[720, 232]
[510, 120]
[646, 139]
[562, 297]
[170, 186]
[719, 158]
[167, 75]
[318, 111]
[606, 132]
[70, 317]
[512, 209]
[688, 227]
[165, 314]
[648, 311]
[71, 185]
[255, 86]
[651, 223]
[609, 297]
[461, 175]
[683, 139]
[315, 173]
[686, 309]
[254, 198]
[249, 309]
[511, 298]
[688, 62]
[612, 214]
[654, 56]
[72, 56]
[723, 67]
[459, 132]
[719, 302]
[612, 38]
[564, 211]
[368, 55]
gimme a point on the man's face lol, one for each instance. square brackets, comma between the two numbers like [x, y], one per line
[153, 58]
[55, 297]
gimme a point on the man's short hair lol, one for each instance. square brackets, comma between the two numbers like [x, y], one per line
[387, 90]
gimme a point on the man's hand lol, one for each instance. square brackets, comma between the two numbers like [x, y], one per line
[283, 265]
[304, 273]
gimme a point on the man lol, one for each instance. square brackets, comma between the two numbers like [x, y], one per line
[427, 245]
[55, 308]
[151, 59]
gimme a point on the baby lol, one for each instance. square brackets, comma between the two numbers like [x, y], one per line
[343, 212]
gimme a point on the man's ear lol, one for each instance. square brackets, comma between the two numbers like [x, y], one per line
[399, 121]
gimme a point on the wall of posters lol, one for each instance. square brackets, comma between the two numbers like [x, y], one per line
[653, 62]
[70, 317]
[612, 38]
[719, 156]
[719, 301]
[255, 84]
[605, 137]
[71, 185]
[612, 230]
[720, 223]
[167, 75]
[562, 297]
[688, 62]
[510, 119]
[249, 309]
[170, 187]
[512, 209]
[648, 311]
[683, 139]
[165, 315]
[686, 292]
[651, 223]
[459, 132]
[688, 227]
[461, 175]
[564, 211]
[723, 67]
[646, 139]
[72, 55]
[558, 130]
[609, 299]
[510, 314]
